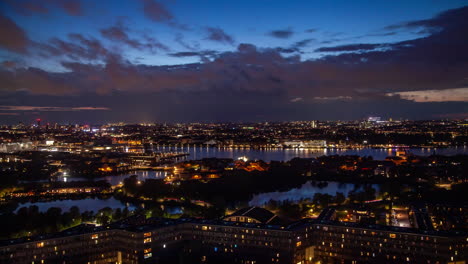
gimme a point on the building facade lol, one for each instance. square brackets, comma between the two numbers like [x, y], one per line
[140, 240]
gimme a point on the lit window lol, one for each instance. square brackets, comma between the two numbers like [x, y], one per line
[40, 244]
[298, 244]
[147, 240]
[94, 236]
[148, 234]
[392, 235]
[204, 228]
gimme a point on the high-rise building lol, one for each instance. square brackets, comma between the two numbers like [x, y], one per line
[323, 240]
[314, 124]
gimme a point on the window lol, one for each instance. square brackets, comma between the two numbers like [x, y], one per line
[298, 244]
[40, 244]
[204, 228]
[94, 236]
[148, 234]
[392, 235]
[147, 240]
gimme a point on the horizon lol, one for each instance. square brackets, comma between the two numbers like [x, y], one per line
[391, 120]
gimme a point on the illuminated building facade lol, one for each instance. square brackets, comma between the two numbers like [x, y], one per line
[203, 241]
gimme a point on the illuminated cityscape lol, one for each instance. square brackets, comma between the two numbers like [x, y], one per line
[245, 132]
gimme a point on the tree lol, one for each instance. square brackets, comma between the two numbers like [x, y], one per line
[340, 198]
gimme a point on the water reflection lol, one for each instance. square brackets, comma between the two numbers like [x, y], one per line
[306, 191]
[200, 152]
[88, 204]
[119, 178]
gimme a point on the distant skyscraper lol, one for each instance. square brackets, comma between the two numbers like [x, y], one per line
[314, 124]
[374, 118]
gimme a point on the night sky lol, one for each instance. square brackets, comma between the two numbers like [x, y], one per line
[95, 62]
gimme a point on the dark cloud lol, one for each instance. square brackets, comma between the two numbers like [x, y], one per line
[295, 47]
[9, 64]
[28, 8]
[204, 55]
[286, 50]
[179, 38]
[50, 108]
[303, 43]
[218, 35]
[77, 47]
[12, 37]
[311, 30]
[281, 33]
[156, 11]
[118, 33]
[447, 19]
[32, 7]
[254, 83]
[71, 7]
[351, 47]
[385, 34]
[194, 53]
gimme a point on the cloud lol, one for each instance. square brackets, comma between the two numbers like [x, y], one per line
[78, 47]
[90, 108]
[297, 99]
[350, 47]
[50, 108]
[12, 37]
[448, 95]
[296, 47]
[157, 12]
[311, 30]
[218, 35]
[385, 34]
[118, 33]
[204, 53]
[33, 7]
[254, 81]
[9, 64]
[28, 8]
[463, 115]
[281, 33]
[452, 18]
[179, 38]
[71, 7]
[332, 98]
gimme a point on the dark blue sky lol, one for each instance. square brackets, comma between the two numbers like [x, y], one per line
[145, 60]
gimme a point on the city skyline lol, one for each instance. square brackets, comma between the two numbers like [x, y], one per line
[166, 61]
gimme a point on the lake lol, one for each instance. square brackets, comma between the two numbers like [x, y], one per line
[287, 154]
[88, 204]
[306, 191]
[118, 178]
[92, 204]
